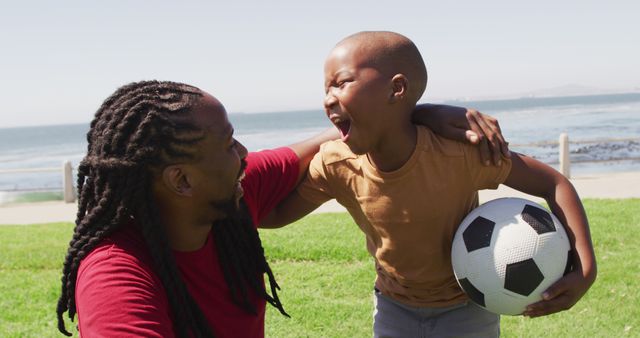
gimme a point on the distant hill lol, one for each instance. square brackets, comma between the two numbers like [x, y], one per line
[546, 101]
[567, 90]
[573, 90]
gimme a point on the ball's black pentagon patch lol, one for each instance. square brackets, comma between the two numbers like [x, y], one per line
[523, 277]
[539, 219]
[474, 294]
[478, 234]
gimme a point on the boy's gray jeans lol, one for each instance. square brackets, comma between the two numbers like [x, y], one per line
[394, 319]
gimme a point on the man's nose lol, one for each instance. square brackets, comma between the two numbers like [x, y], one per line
[241, 149]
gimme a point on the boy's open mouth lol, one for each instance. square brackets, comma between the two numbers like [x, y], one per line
[344, 126]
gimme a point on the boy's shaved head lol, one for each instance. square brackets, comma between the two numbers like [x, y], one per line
[392, 53]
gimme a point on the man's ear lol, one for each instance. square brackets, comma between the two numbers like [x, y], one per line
[400, 87]
[176, 179]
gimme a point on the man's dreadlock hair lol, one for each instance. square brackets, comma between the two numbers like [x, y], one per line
[142, 127]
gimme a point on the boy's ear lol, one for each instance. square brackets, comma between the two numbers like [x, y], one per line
[176, 179]
[400, 87]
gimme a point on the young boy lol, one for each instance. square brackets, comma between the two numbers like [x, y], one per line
[408, 190]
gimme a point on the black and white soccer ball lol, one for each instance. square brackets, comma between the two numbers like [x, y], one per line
[507, 252]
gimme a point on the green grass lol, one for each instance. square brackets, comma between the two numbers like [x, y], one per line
[327, 278]
[30, 269]
[30, 197]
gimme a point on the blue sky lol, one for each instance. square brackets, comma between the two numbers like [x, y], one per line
[60, 60]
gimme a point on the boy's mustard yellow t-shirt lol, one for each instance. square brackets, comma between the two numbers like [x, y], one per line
[410, 215]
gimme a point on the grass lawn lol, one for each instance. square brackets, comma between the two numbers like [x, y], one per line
[327, 278]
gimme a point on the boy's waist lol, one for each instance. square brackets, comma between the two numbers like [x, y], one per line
[429, 293]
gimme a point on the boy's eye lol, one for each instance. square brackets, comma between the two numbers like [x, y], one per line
[336, 84]
[342, 83]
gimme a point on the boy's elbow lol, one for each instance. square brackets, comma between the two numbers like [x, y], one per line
[555, 184]
[563, 185]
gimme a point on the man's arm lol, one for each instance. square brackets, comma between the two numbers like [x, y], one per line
[294, 207]
[465, 125]
[307, 148]
[291, 209]
[535, 178]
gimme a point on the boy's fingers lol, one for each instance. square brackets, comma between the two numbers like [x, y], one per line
[547, 307]
[553, 291]
[554, 299]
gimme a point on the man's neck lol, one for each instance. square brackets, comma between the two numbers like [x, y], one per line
[184, 231]
[188, 238]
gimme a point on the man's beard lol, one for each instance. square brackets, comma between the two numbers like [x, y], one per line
[228, 207]
[234, 213]
[231, 206]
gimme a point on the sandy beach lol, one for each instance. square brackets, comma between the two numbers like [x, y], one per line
[609, 185]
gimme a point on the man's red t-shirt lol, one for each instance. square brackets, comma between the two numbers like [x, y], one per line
[118, 294]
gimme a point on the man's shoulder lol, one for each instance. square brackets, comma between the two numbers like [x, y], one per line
[124, 248]
[336, 151]
[116, 288]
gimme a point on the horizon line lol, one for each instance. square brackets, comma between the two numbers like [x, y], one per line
[437, 101]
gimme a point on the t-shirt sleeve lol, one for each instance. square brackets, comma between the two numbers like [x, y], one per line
[270, 176]
[315, 187]
[116, 296]
[485, 177]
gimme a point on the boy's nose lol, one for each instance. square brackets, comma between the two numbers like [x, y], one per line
[329, 100]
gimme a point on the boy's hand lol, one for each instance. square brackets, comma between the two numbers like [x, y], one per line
[462, 124]
[560, 296]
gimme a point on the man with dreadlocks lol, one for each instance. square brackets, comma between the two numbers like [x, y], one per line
[165, 242]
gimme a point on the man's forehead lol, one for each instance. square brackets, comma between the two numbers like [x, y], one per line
[228, 131]
[220, 131]
[210, 115]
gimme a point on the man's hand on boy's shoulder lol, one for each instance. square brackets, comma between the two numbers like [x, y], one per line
[485, 131]
[465, 125]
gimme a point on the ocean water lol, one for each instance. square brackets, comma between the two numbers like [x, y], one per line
[604, 131]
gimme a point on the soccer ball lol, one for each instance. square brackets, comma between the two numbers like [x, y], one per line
[508, 251]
